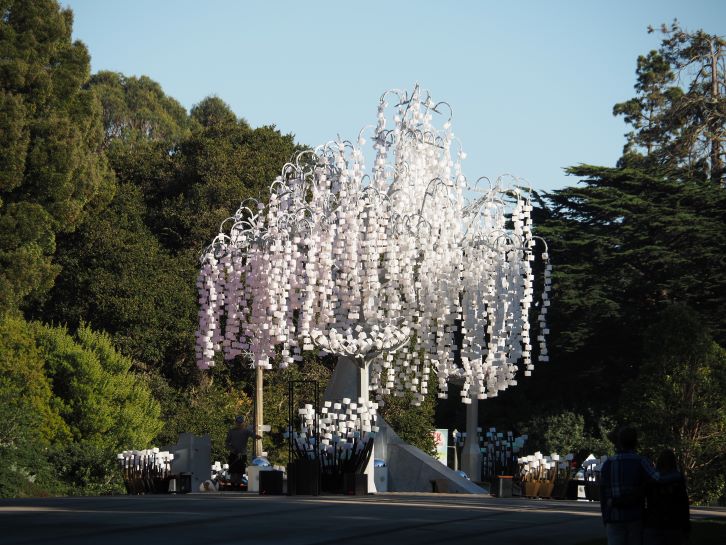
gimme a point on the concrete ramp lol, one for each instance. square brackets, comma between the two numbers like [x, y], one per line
[412, 470]
[409, 468]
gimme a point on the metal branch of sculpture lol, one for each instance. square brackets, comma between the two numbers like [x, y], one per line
[400, 268]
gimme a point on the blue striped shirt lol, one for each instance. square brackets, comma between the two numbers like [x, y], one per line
[622, 486]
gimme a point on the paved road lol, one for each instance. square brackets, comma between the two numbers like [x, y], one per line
[229, 518]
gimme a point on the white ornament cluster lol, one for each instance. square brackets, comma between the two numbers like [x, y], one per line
[538, 467]
[400, 268]
[499, 452]
[592, 466]
[344, 429]
[152, 461]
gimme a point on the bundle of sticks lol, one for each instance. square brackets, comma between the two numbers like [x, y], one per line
[145, 471]
[500, 452]
[346, 430]
[545, 476]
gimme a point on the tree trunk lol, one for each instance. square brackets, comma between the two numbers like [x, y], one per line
[716, 129]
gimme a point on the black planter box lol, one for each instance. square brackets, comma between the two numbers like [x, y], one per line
[303, 478]
[592, 491]
[355, 484]
[270, 482]
[184, 483]
[572, 487]
[559, 492]
[504, 486]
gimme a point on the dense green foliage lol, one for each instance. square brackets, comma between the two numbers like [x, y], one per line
[29, 422]
[119, 278]
[678, 398]
[52, 169]
[564, 433]
[130, 269]
[208, 407]
[412, 424]
[70, 403]
[627, 245]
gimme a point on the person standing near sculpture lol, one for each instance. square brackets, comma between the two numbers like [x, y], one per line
[623, 481]
[667, 515]
[236, 443]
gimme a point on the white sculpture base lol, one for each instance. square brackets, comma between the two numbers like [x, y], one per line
[351, 380]
[409, 468]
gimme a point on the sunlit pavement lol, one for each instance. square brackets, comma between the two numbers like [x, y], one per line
[224, 518]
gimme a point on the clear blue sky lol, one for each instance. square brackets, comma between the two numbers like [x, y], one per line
[532, 83]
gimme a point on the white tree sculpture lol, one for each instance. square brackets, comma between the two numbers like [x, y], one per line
[400, 269]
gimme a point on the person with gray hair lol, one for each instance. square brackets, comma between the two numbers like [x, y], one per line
[236, 443]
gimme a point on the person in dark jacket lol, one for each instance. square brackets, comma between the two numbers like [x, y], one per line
[667, 517]
[236, 443]
[623, 479]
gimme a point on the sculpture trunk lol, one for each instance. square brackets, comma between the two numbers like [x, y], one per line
[471, 453]
[351, 380]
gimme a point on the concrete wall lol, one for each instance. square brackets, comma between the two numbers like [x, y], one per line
[192, 454]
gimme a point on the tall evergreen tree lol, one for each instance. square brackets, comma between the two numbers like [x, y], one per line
[625, 244]
[222, 163]
[118, 277]
[52, 169]
[679, 113]
[130, 269]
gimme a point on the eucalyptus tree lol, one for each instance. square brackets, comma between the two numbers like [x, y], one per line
[679, 113]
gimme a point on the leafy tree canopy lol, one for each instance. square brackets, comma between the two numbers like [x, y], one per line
[69, 405]
[52, 170]
[130, 269]
[223, 163]
[118, 278]
[136, 111]
[625, 243]
[679, 398]
[96, 394]
[25, 388]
